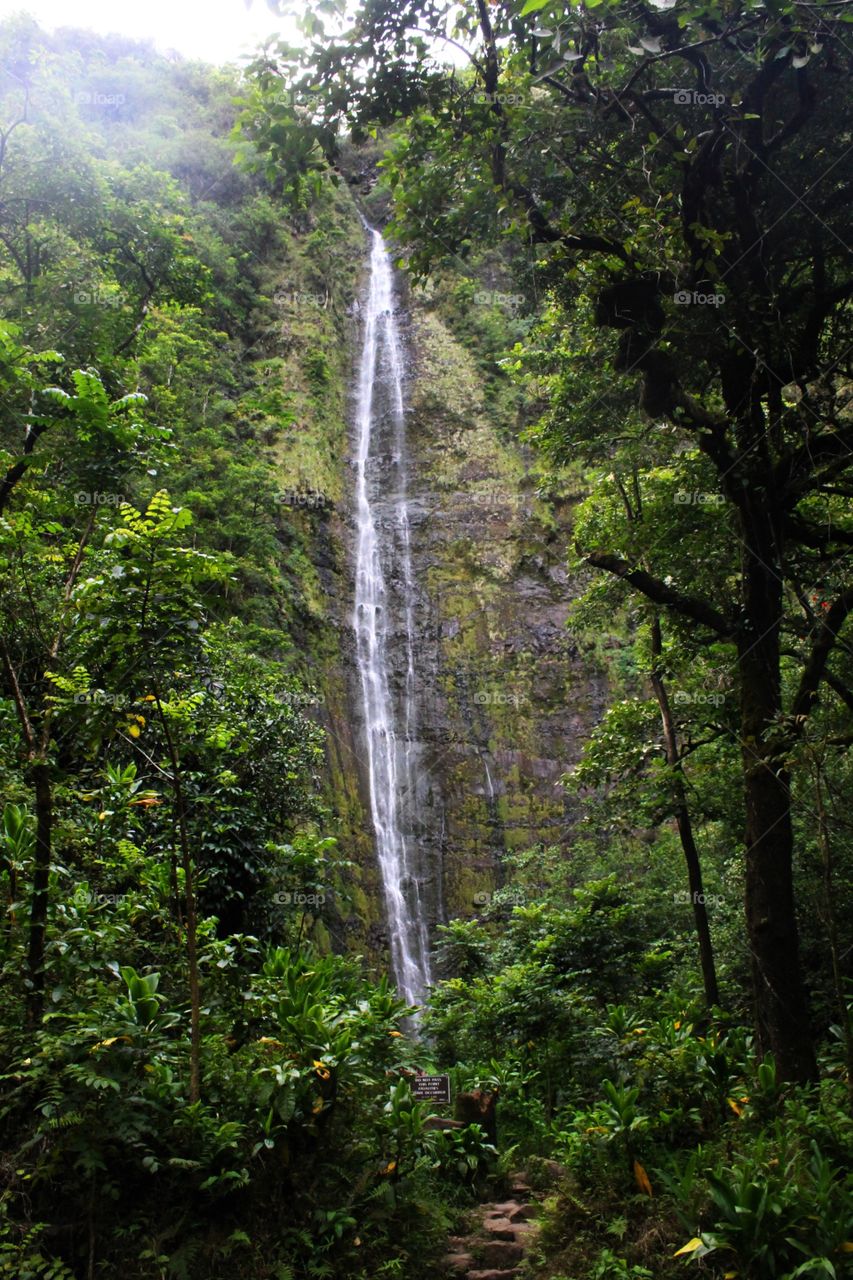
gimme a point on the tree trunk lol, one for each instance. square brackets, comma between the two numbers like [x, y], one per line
[832, 931]
[685, 826]
[189, 903]
[781, 1005]
[41, 878]
[697, 897]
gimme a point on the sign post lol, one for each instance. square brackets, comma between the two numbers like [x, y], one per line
[434, 1089]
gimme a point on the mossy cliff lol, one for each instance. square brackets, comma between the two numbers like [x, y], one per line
[509, 700]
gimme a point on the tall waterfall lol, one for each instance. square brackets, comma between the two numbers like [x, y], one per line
[384, 628]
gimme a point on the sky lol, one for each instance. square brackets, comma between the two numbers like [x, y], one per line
[213, 30]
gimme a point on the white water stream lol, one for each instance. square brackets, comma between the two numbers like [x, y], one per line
[384, 617]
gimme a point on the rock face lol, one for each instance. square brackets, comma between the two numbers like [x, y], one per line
[503, 698]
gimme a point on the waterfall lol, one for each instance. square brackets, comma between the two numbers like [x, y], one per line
[384, 621]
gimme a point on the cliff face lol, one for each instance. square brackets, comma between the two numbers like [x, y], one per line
[504, 700]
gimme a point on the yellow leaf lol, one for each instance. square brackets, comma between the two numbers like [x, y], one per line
[390, 1167]
[269, 1040]
[730, 1275]
[105, 1044]
[642, 1178]
[395, 1033]
[134, 730]
[738, 1110]
[678, 1025]
[317, 1107]
[690, 1247]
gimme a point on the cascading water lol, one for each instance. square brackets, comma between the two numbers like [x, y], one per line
[384, 618]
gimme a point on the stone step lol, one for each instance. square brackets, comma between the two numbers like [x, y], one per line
[524, 1230]
[524, 1212]
[461, 1262]
[513, 1210]
[501, 1228]
[502, 1253]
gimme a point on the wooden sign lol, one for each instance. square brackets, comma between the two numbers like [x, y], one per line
[434, 1089]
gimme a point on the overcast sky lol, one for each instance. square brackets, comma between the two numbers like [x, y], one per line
[214, 30]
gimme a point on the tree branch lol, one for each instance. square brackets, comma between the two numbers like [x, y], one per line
[660, 592]
[825, 641]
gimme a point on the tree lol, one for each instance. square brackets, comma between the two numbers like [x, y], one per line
[151, 627]
[45, 549]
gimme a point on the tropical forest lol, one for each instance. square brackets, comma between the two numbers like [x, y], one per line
[426, 641]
